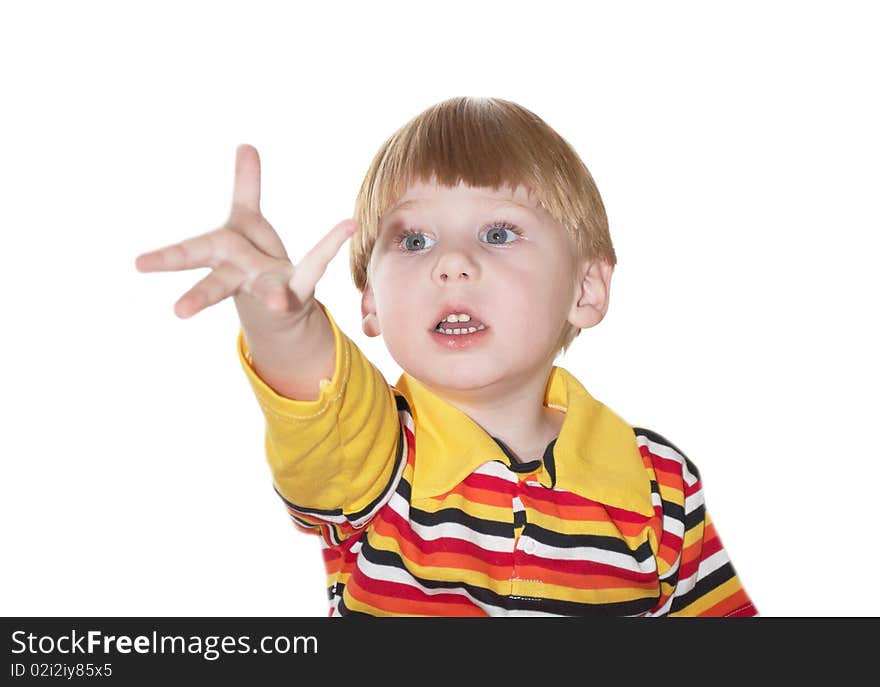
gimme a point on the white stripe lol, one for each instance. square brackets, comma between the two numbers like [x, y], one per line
[661, 450]
[494, 468]
[522, 613]
[590, 554]
[689, 478]
[656, 499]
[673, 526]
[488, 542]
[707, 567]
[407, 420]
[713, 563]
[694, 501]
[399, 505]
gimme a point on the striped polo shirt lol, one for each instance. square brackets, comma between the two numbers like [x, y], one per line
[420, 512]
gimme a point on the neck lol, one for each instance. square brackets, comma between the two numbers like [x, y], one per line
[516, 413]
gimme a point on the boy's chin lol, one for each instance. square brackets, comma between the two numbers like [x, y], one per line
[466, 379]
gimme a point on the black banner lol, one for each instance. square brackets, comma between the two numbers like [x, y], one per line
[134, 651]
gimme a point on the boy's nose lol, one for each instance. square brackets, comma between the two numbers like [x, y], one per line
[444, 276]
[455, 265]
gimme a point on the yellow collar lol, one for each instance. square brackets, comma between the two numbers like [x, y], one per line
[596, 455]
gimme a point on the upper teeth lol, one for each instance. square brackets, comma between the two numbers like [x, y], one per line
[457, 317]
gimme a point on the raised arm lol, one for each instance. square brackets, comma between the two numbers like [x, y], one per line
[333, 437]
[289, 338]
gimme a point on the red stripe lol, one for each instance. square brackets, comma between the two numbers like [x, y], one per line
[667, 466]
[582, 567]
[487, 482]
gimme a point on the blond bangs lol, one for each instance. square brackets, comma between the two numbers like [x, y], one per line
[484, 142]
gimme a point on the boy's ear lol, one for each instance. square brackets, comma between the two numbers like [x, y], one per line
[592, 294]
[370, 323]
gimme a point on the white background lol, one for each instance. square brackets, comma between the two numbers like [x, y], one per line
[735, 146]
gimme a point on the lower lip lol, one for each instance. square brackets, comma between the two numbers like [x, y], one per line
[459, 342]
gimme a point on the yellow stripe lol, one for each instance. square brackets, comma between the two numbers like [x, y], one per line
[472, 508]
[721, 592]
[599, 595]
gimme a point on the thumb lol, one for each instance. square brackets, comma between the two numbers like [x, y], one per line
[312, 267]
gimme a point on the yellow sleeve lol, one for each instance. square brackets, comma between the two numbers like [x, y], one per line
[334, 457]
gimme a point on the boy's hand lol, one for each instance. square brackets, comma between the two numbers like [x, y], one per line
[248, 261]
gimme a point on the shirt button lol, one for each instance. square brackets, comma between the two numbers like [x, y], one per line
[529, 546]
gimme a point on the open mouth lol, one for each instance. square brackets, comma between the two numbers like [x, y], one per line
[458, 328]
[459, 325]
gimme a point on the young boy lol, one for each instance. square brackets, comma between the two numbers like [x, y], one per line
[487, 481]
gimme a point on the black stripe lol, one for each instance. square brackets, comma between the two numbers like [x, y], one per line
[672, 510]
[519, 518]
[344, 610]
[703, 587]
[515, 465]
[695, 517]
[574, 608]
[605, 543]
[310, 511]
[404, 490]
[459, 517]
[550, 462]
[671, 578]
[304, 523]
[524, 468]
[402, 403]
[528, 466]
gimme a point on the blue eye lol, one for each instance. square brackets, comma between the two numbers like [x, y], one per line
[413, 241]
[497, 233]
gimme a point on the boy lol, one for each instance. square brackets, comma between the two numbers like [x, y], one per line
[487, 481]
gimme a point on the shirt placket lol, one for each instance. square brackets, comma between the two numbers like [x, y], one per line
[523, 547]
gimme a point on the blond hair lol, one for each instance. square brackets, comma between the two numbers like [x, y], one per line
[486, 142]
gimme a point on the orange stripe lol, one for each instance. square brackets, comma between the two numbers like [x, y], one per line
[672, 481]
[396, 606]
[485, 497]
[691, 553]
[725, 606]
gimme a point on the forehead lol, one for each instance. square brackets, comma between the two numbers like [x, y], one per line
[427, 195]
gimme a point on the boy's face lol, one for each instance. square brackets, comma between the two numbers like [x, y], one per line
[495, 255]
